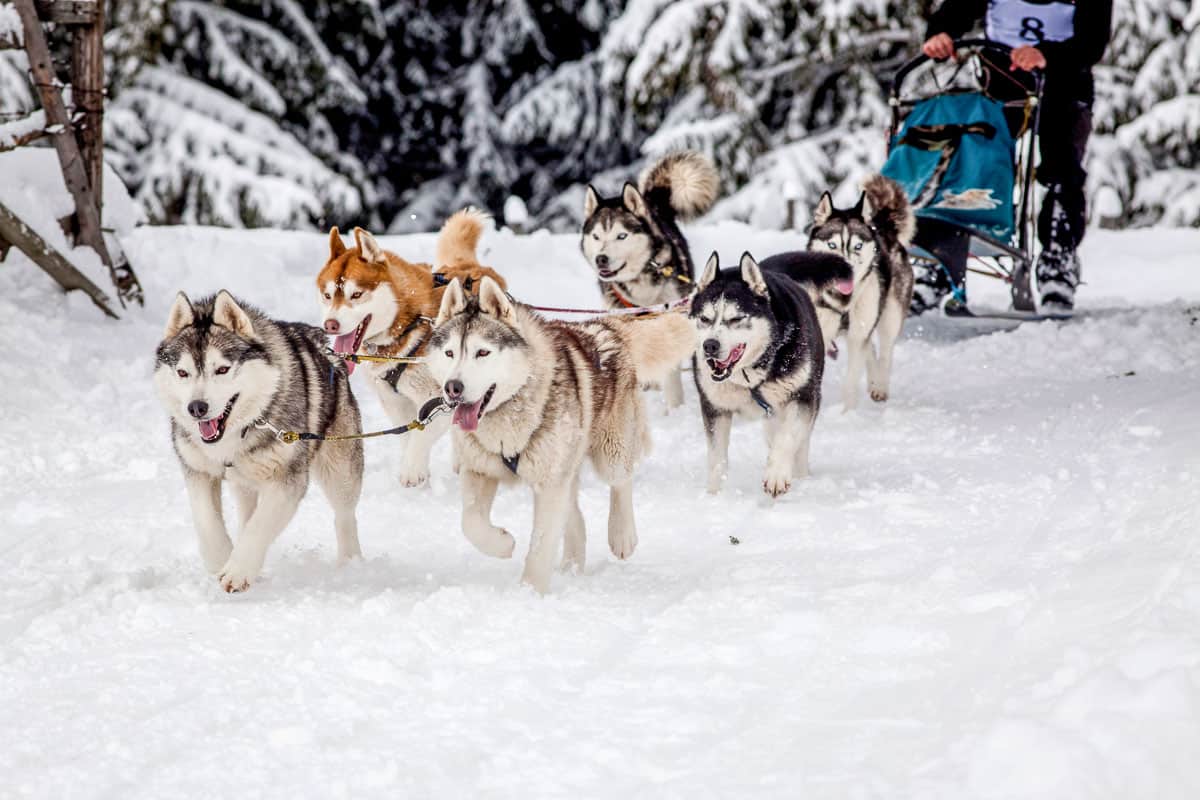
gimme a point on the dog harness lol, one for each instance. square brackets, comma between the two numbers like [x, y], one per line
[442, 279]
[393, 375]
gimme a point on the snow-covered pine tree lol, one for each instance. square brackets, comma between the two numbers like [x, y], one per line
[283, 113]
[234, 124]
[16, 93]
[779, 94]
[1145, 162]
[789, 99]
[452, 73]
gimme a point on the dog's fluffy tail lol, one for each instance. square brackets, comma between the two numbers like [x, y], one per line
[459, 237]
[891, 213]
[684, 181]
[657, 344]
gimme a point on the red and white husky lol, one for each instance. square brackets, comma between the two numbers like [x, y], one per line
[374, 301]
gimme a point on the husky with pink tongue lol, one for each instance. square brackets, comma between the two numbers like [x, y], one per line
[760, 353]
[873, 237]
[533, 400]
[226, 373]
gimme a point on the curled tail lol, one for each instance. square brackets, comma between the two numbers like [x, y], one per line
[459, 237]
[657, 344]
[891, 213]
[684, 181]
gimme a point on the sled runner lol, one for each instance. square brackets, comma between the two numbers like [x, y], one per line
[961, 142]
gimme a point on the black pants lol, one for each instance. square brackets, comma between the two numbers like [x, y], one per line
[1063, 131]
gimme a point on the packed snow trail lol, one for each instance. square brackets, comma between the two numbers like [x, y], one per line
[988, 588]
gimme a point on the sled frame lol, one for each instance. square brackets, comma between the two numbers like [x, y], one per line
[950, 247]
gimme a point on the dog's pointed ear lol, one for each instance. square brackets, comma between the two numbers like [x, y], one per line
[494, 301]
[228, 314]
[859, 206]
[336, 245]
[368, 248]
[633, 201]
[752, 275]
[182, 314]
[591, 201]
[865, 208]
[453, 302]
[710, 272]
[824, 209]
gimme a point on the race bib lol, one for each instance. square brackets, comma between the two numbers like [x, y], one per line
[1026, 22]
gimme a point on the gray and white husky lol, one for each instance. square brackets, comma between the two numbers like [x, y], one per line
[223, 365]
[634, 243]
[758, 351]
[533, 399]
[873, 237]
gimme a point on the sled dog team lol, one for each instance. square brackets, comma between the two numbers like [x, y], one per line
[531, 398]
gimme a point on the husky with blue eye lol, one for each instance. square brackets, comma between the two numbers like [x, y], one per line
[873, 237]
[759, 352]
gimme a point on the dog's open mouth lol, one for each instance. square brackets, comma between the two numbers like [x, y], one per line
[608, 273]
[348, 343]
[211, 430]
[724, 368]
[467, 415]
[845, 287]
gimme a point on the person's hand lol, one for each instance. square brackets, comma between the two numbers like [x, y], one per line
[1027, 58]
[939, 47]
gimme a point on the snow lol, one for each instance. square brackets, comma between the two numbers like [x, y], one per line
[10, 23]
[989, 588]
[34, 190]
[239, 158]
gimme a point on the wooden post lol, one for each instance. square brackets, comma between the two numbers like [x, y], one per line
[87, 91]
[75, 173]
[40, 252]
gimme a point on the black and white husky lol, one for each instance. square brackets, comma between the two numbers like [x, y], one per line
[226, 373]
[759, 351]
[634, 243]
[873, 237]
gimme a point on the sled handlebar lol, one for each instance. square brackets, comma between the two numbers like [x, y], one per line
[992, 52]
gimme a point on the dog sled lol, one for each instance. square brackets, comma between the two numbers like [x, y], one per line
[961, 142]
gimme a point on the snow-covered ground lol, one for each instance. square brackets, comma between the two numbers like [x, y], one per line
[989, 588]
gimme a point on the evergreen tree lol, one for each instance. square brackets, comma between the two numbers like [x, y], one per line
[235, 122]
[396, 112]
[1145, 164]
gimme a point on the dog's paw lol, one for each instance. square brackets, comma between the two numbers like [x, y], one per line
[572, 564]
[622, 543]
[777, 483]
[505, 544]
[236, 576]
[879, 395]
[491, 541]
[536, 579]
[413, 478]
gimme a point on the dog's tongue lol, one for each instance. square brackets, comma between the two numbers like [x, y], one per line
[734, 355]
[845, 286]
[342, 344]
[209, 428]
[466, 415]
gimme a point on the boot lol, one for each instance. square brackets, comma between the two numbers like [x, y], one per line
[1057, 277]
[1058, 264]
